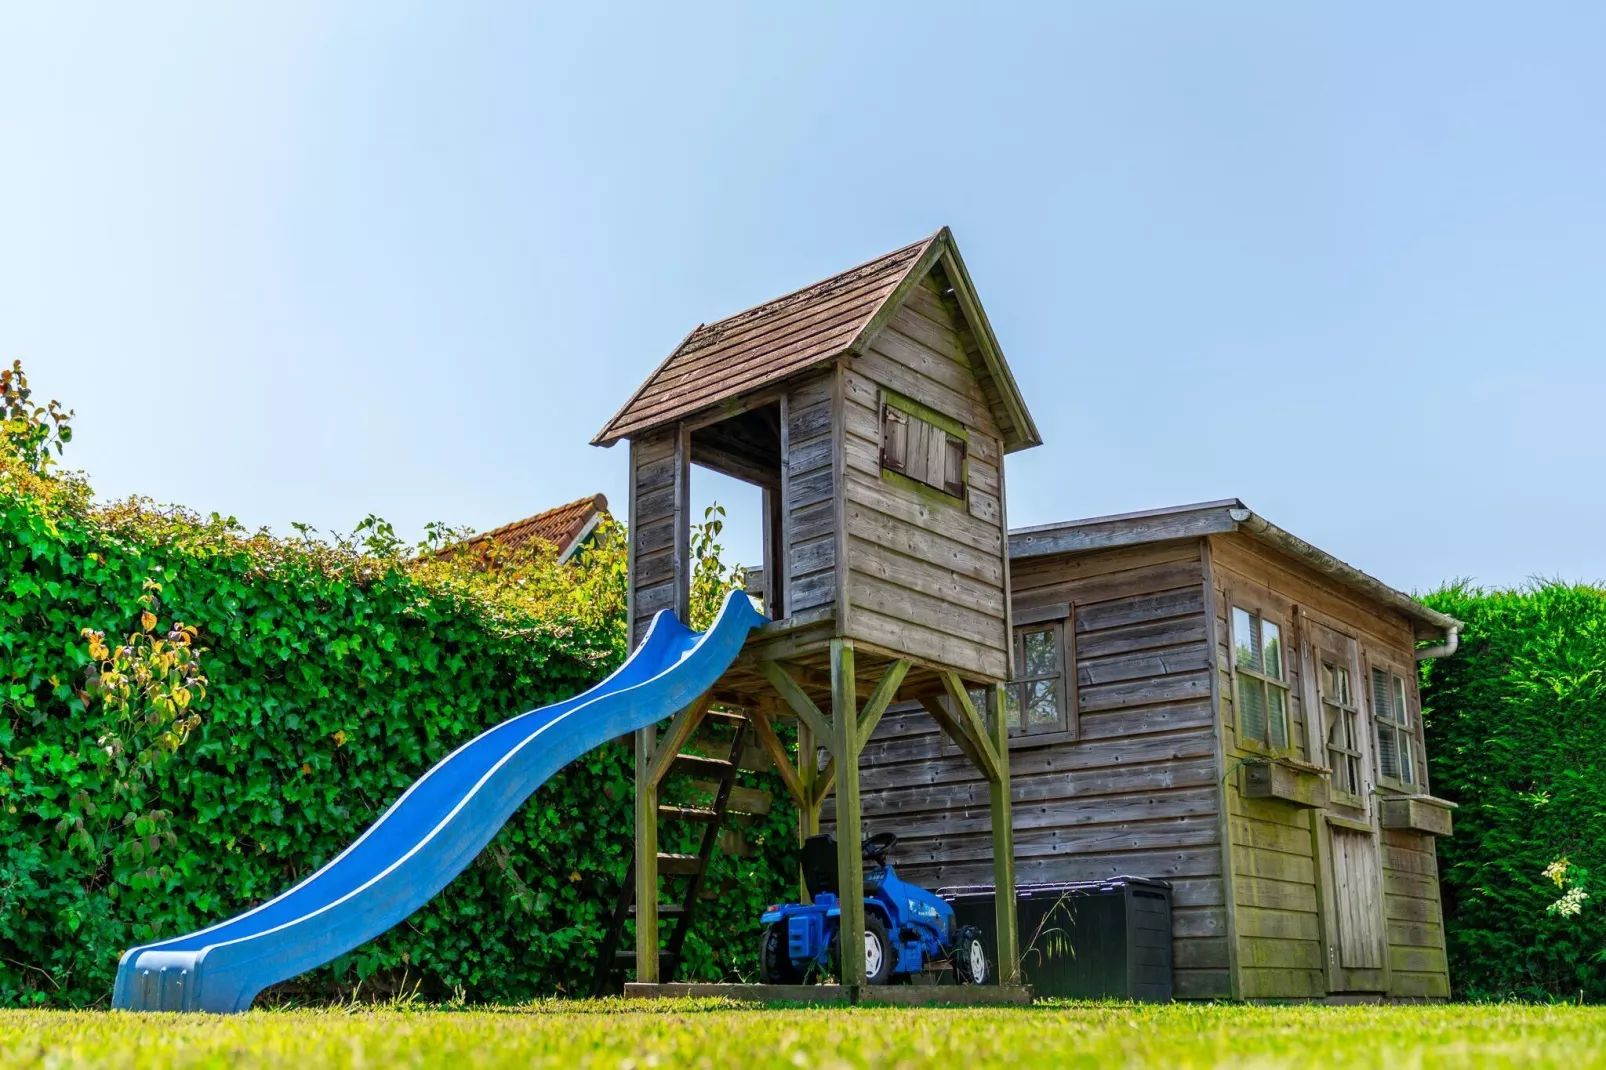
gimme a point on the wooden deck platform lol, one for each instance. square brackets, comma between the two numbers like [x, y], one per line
[893, 995]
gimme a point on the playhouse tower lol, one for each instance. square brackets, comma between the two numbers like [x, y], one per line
[874, 409]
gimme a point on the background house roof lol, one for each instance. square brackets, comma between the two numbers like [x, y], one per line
[564, 526]
[806, 328]
[1216, 518]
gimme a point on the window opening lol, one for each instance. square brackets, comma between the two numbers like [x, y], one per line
[1395, 760]
[1262, 687]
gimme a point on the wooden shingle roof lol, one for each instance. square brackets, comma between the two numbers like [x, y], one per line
[799, 331]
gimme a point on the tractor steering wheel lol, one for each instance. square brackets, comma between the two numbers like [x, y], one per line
[876, 847]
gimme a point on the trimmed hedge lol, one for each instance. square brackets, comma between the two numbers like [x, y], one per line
[335, 681]
[1516, 733]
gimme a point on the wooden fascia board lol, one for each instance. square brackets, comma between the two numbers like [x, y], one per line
[1042, 542]
[1027, 434]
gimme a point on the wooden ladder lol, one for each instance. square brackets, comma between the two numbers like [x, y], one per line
[692, 868]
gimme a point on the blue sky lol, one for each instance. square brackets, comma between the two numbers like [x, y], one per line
[302, 262]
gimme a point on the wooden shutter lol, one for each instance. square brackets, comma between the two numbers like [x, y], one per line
[953, 471]
[894, 438]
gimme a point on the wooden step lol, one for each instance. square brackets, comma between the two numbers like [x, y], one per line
[739, 800]
[688, 813]
[623, 957]
[678, 865]
[665, 910]
[698, 765]
[725, 717]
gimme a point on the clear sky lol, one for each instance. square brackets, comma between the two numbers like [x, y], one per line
[302, 262]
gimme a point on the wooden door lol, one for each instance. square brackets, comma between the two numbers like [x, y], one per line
[1349, 844]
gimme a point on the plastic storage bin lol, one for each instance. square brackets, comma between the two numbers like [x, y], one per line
[1106, 939]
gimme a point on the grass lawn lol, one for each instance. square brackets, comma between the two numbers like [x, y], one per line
[630, 1036]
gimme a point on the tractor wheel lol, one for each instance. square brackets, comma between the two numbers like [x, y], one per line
[970, 958]
[775, 965]
[879, 954]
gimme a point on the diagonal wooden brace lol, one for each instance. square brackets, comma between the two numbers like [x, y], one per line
[798, 701]
[680, 730]
[777, 751]
[972, 722]
[885, 691]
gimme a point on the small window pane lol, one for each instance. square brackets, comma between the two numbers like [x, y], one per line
[1043, 703]
[1276, 716]
[1388, 759]
[1245, 639]
[1401, 718]
[1041, 653]
[1252, 716]
[1341, 688]
[1012, 706]
[1381, 704]
[1272, 649]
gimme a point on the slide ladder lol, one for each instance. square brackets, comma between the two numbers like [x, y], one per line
[692, 868]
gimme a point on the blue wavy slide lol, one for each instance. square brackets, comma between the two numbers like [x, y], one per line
[430, 834]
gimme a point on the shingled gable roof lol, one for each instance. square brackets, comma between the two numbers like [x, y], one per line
[808, 328]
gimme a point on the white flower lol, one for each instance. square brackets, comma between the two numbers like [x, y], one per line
[1570, 904]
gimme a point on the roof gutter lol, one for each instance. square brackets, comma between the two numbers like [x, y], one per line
[1267, 532]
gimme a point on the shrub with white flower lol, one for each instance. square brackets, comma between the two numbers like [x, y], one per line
[1571, 879]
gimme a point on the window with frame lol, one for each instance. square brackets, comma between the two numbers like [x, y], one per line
[1261, 682]
[1396, 759]
[1037, 702]
[920, 445]
[1341, 713]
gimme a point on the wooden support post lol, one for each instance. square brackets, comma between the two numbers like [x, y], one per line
[1004, 849]
[653, 757]
[646, 858]
[849, 830]
[808, 811]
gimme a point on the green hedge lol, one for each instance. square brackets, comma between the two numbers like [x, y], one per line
[332, 687]
[1516, 727]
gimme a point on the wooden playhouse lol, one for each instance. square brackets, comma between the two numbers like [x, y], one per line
[1188, 694]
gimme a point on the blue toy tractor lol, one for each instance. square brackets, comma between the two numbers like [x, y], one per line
[907, 930]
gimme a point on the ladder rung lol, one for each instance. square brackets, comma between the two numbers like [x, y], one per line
[725, 717]
[665, 910]
[697, 765]
[630, 956]
[679, 865]
[689, 813]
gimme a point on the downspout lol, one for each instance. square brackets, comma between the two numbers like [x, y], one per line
[1452, 640]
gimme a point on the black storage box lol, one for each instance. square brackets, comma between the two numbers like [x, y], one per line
[1087, 940]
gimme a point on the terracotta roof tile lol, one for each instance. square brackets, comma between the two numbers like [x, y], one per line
[559, 526]
[764, 344]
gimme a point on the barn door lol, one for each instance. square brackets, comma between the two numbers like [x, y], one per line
[1352, 921]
